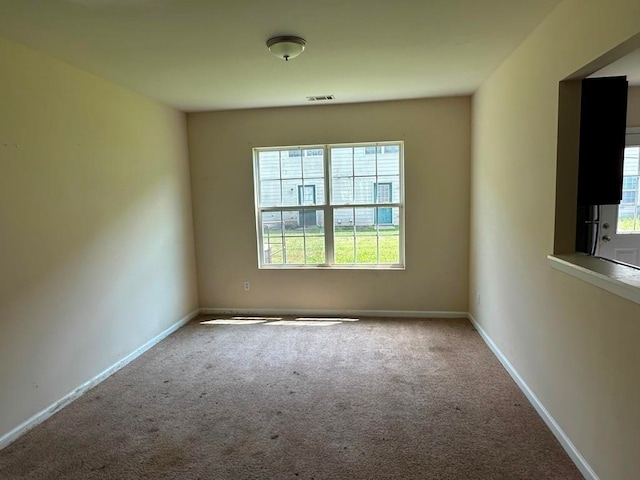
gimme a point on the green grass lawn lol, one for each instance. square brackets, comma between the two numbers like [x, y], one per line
[626, 224]
[359, 247]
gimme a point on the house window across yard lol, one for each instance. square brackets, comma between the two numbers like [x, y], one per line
[336, 206]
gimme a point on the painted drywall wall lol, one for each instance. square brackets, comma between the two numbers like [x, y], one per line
[633, 107]
[96, 252]
[574, 344]
[437, 141]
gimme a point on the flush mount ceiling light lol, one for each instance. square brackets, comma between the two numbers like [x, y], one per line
[286, 47]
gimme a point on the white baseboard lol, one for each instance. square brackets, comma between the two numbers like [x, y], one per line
[567, 444]
[331, 313]
[40, 417]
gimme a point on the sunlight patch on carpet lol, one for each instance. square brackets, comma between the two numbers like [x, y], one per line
[231, 321]
[257, 318]
[297, 321]
[325, 319]
[304, 323]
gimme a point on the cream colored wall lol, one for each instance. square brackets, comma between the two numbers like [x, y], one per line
[437, 141]
[575, 345]
[96, 252]
[633, 107]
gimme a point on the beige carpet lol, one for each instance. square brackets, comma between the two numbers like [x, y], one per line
[372, 399]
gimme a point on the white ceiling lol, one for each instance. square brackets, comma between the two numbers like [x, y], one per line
[211, 55]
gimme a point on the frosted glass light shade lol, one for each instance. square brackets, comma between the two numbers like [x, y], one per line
[286, 47]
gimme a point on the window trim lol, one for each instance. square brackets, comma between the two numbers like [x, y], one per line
[328, 208]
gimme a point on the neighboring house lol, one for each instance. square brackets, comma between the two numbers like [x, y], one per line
[376, 180]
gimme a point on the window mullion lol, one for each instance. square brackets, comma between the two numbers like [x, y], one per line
[355, 238]
[280, 176]
[304, 239]
[302, 201]
[329, 244]
[377, 212]
[283, 240]
[353, 179]
[260, 237]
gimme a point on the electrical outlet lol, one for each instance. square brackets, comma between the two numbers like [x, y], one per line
[478, 298]
[246, 286]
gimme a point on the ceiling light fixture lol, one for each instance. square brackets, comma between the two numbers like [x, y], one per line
[286, 47]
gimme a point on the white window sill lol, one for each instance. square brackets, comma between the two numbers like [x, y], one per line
[617, 279]
[277, 266]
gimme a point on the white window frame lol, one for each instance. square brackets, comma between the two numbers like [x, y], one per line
[328, 208]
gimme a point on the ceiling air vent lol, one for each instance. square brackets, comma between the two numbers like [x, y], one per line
[318, 98]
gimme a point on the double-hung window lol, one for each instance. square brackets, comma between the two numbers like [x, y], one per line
[330, 205]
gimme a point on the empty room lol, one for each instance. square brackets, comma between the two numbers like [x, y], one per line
[319, 240]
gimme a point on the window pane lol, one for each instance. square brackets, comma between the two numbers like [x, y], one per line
[367, 235]
[309, 220]
[629, 183]
[344, 247]
[628, 196]
[631, 160]
[342, 193]
[356, 171]
[372, 150]
[293, 237]
[306, 194]
[389, 248]
[270, 193]
[282, 173]
[269, 164]
[319, 185]
[304, 240]
[364, 165]
[389, 164]
[364, 152]
[294, 248]
[290, 193]
[313, 167]
[389, 235]
[272, 238]
[389, 189]
[313, 226]
[310, 193]
[344, 235]
[626, 218]
[366, 245]
[364, 217]
[343, 219]
[383, 192]
[341, 162]
[291, 167]
[384, 216]
[364, 189]
[391, 149]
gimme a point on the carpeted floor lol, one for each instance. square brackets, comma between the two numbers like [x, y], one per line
[372, 399]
